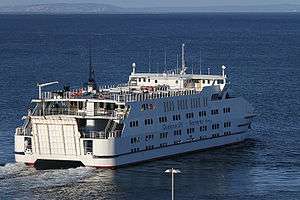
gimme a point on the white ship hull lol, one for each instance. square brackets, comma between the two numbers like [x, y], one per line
[141, 156]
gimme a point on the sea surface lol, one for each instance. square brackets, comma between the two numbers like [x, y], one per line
[262, 55]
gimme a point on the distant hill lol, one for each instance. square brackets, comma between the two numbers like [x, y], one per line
[62, 8]
[94, 8]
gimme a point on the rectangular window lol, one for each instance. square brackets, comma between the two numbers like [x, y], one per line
[162, 119]
[163, 135]
[189, 115]
[176, 117]
[226, 110]
[202, 113]
[177, 132]
[220, 81]
[190, 130]
[148, 121]
[214, 112]
[134, 123]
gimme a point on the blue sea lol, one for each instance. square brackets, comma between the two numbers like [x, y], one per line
[262, 55]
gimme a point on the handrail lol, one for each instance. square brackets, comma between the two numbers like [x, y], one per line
[123, 96]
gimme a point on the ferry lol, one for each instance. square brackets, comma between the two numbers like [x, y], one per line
[152, 116]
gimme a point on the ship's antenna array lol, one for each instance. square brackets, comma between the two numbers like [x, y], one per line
[183, 66]
[92, 85]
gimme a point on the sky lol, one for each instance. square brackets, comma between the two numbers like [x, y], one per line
[153, 3]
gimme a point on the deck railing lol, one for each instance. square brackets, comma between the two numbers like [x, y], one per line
[122, 97]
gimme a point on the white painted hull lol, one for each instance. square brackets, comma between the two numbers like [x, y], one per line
[141, 156]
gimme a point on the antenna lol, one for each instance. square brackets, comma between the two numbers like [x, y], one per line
[182, 59]
[200, 63]
[177, 63]
[223, 70]
[149, 60]
[165, 60]
[208, 71]
[133, 68]
[91, 81]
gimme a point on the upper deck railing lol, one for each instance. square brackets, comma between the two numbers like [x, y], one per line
[120, 96]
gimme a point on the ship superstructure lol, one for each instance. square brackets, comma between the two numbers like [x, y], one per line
[153, 115]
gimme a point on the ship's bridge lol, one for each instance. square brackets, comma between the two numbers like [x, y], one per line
[175, 81]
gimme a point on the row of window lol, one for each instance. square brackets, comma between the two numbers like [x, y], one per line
[215, 126]
[215, 135]
[214, 112]
[219, 81]
[189, 115]
[177, 132]
[149, 137]
[148, 121]
[147, 106]
[184, 104]
[227, 124]
[190, 130]
[144, 80]
[135, 140]
[202, 113]
[163, 135]
[226, 110]
[163, 144]
[176, 117]
[227, 133]
[149, 147]
[162, 119]
[134, 123]
[203, 128]
[135, 150]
